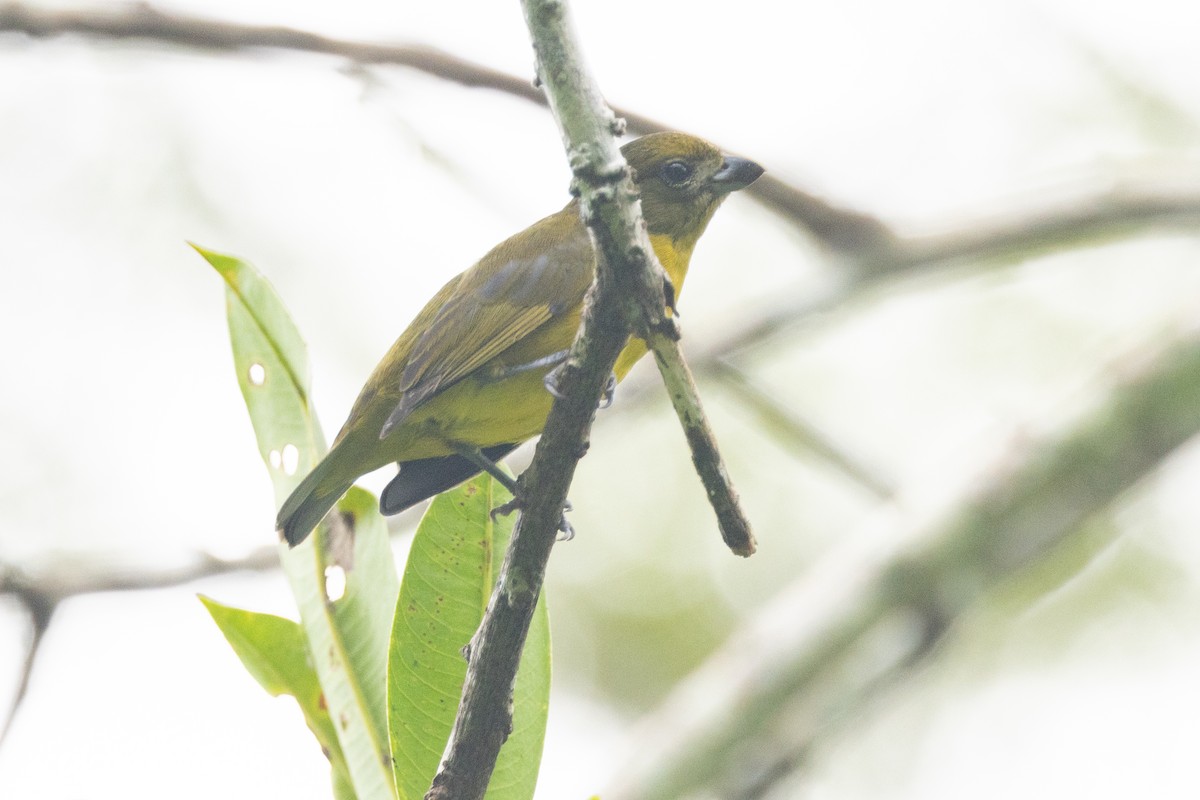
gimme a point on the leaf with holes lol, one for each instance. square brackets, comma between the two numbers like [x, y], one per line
[452, 567]
[347, 637]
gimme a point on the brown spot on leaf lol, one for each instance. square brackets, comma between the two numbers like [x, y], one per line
[339, 539]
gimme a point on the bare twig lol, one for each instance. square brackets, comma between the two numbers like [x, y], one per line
[41, 595]
[841, 230]
[735, 528]
[146, 23]
[860, 236]
[873, 252]
[69, 579]
[1038, 228]
[872, 610]
[40, 608]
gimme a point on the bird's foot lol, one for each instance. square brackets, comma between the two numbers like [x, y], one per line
[504, 372]
[606, 399]
[551, 383]
[565, 532]
[504, 509]
[610, 391]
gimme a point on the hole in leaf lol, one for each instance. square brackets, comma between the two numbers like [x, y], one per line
[291, 459]
[335, 582]
[258, 374]
[275, 458]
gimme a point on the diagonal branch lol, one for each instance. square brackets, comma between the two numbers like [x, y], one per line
[860, 236]
[1095, 216]
[685, 397]
[874, 252]
[42, 594]
[867, 614]
[68, 579]
[40, 607]
[839, 229]
[146, 23]
[628, 295]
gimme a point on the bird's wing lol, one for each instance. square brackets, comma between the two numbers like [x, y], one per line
[520, 285]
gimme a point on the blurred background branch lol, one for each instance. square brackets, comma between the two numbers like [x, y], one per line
[1106, 214]
[864, 615]
[1037, 228]
[841, 230]
[40, 594]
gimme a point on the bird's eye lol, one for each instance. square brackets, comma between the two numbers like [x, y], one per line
[676, 173]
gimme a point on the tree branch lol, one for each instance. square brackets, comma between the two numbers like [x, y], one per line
[874, 252]
[42, 594]
[628, 295]
[841, 230]
[852, 233]
[69, 579]
[144, 22]
[681, 388]
[1093, 217]
[872, 610]
[40, 608]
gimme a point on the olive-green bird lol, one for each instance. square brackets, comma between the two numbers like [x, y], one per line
[465, 384]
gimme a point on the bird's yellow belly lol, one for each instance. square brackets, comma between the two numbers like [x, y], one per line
[484, 412]
[478, 412]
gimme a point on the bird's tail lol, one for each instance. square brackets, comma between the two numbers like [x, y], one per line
[310, 501]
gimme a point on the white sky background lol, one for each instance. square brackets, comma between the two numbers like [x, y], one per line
[126, 439]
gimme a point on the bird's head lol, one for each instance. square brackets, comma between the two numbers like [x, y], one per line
[682, 180]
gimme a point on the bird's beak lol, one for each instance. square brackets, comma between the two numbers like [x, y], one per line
[736, 173]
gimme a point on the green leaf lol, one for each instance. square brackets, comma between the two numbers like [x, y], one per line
[347, 637]
[452, 567]
[273, 651]
[272, 372]
[364, 614]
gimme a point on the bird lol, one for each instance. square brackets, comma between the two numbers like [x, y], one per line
[470, 379]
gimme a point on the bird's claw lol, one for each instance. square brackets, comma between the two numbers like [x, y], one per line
[551, 383]
[610, 390]
[565, 532]
[606, 399]
[504, 509]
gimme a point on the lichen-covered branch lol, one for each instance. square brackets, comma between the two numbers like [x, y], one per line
[628, 293]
